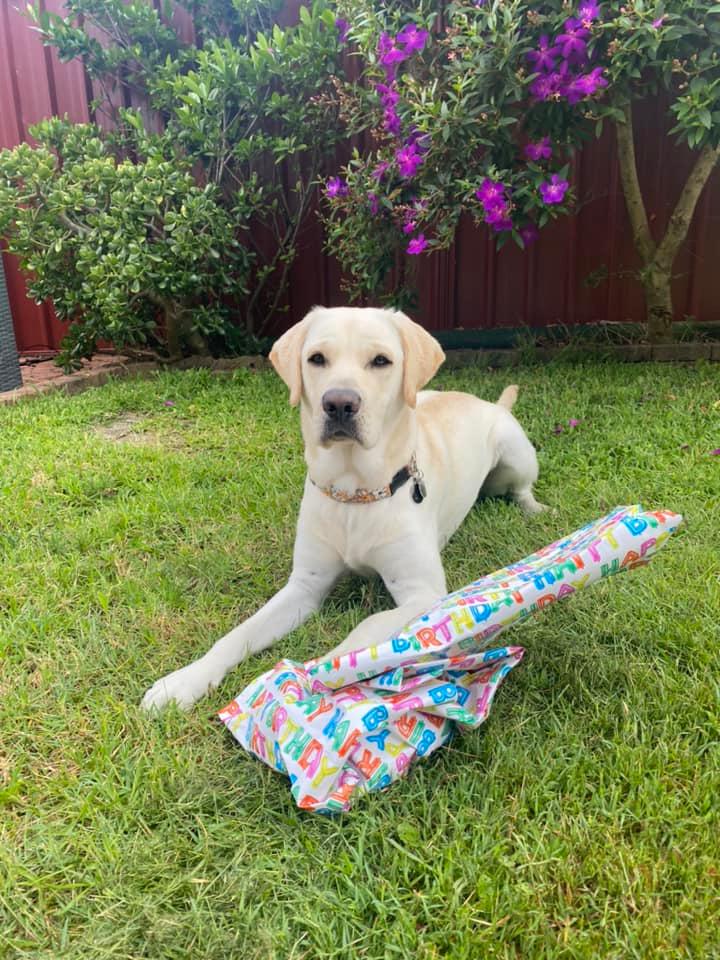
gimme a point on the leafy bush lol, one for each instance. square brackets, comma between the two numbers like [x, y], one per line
[185, 205]
[479, 112]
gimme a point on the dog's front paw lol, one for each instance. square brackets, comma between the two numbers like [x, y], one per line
[183, 687]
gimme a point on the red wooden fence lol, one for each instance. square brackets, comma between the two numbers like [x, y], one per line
[469, 286]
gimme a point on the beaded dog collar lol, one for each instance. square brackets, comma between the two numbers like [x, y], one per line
[361, 495]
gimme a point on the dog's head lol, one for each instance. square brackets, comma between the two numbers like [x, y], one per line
[354, 370]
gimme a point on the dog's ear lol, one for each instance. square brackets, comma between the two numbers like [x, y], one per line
[285, 357]
[423, 356]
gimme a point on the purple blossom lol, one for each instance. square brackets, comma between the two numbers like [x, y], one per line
[479, 3]
[553, 190]
[391, 121]
[409, 226]
[374, 203]
[544, 58]
[658, 23]
[500, 226]
[588, 11]
[529, 234]
[380, 170]
[573, 423]
[417, 244]
[412, 38]
[388, 53]
[496, 211]
[343, 28]
[572, 43]
[547, 85]
[490, 192]
[388, 95]
[389, 98]
[169, 403]
[408, 160]
[715, 453]
[336, 187]
[586, 85]
[421, 141]
[540, 150]
[385, 44]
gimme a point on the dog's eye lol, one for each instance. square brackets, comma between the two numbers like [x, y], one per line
[317, 359]
[380, 361]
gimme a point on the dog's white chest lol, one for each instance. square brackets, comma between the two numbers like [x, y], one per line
[359, 533]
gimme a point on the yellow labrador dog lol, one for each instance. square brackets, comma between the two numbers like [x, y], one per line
[392, 472]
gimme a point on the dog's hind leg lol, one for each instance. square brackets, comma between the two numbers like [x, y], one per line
[516, 470]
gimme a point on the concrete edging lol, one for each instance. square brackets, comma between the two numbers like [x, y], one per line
[456, 359]
[78, 382]
[625, 353]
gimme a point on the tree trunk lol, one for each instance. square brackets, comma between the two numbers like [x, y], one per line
[658, 304]
[658, 258]
[178, 332]
[173, 330]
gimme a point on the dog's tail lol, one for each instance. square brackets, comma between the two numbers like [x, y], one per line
[508, 397]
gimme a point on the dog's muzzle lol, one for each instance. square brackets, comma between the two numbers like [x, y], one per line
[340, 408]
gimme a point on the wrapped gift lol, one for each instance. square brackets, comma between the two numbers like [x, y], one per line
[354, 723]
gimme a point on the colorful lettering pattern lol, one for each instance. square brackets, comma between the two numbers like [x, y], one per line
[355, 723]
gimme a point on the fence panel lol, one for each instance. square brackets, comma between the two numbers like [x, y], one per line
[469, 286]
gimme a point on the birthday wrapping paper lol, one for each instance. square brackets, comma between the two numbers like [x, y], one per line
[344, 726]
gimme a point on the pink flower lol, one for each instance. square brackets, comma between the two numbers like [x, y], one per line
[417, 244]
[715, 453]
[536, 151]
[658, 23]
[553, 190]
[409, 226]
[374, 203]
[573, 423]
[169, 403]
[380, 170]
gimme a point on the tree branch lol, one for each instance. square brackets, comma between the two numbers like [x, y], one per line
[682, 215]
[76, 228]
[642, 236]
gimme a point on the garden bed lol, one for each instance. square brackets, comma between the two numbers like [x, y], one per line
[46, 376]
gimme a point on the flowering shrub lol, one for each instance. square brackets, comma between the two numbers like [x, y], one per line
[480, 112]
[175, 228]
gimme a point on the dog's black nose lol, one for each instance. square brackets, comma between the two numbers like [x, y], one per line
[341, 405]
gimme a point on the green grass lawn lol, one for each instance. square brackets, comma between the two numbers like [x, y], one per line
[581, 821]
